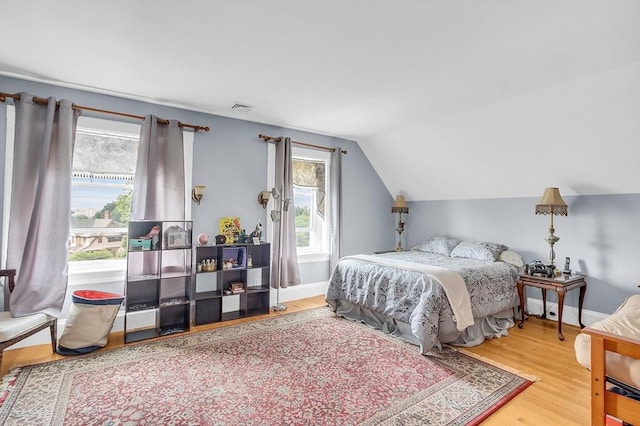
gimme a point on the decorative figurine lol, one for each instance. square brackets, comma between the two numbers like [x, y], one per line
[203, 239]
[154, 236]
[155, 230]
[257, 232]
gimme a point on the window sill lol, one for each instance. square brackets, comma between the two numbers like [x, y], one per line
[313, 257]
[90, 272]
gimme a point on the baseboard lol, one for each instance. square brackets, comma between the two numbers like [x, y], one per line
[297, 292]
[569, 313]
[534, 306]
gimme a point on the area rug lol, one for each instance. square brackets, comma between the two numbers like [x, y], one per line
[304, 368]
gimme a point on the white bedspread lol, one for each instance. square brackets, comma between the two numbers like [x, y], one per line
[452, 283]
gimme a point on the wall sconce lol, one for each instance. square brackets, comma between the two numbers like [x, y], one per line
[197, 193]
[263, 198]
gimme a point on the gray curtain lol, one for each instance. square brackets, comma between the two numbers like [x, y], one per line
[284, 270]
[335, 205]
[38, 236]
[159, 181]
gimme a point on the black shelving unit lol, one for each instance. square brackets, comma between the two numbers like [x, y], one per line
[249, 274]
[158, 287]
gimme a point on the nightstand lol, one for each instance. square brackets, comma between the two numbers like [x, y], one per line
[560, 285]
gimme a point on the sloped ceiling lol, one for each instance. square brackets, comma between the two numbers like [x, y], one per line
[447, 99]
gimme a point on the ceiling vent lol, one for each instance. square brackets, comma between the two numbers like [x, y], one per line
[242, 107]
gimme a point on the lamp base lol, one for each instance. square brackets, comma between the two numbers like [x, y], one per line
[279, 307]
[400, 230]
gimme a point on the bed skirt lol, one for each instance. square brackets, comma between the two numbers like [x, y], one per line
[496, 325]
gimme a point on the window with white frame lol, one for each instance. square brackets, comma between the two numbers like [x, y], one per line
[104, 165]
[310, 200]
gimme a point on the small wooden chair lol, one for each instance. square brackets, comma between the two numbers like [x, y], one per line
[13, 330]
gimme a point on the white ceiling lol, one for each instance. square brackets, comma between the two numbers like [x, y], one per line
[422, 86]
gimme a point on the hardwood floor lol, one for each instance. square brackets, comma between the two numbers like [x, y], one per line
[559, 397]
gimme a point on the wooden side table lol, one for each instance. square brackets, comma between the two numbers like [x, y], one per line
[561, 286]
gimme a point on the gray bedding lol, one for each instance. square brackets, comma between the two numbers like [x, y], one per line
[412, 305]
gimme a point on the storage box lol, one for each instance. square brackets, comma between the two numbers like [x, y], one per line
[254, 277]
[231, 303]
[139, 244]
[236, 287]
[237, 253]
[206, 282]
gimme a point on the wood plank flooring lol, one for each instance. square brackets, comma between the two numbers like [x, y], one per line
[559, 397]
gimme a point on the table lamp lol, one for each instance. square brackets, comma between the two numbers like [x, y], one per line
[400, 206]
[552, 204]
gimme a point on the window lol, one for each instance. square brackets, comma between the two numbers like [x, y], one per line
[310, 199]
[104, 165]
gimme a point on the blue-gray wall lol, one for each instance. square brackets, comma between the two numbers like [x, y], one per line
[232, 162]
[601, 235]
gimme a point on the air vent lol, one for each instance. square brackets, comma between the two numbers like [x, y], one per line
[242, 107]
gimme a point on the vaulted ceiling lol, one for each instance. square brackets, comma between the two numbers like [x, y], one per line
[448, 99]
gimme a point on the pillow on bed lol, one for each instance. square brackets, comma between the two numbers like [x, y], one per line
[480, 250]
[438, 245]
[511, 257]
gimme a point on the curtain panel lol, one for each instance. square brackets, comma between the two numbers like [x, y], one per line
[284, 271]
[39, 223]
[159, 181]
[158, 191]
[335, 203]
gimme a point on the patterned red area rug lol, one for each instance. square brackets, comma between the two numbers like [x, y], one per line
[305, 368]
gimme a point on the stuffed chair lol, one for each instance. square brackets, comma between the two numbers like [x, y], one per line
[13, 330]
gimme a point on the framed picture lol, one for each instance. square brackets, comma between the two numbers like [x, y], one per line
[256, 240]
[230, 226]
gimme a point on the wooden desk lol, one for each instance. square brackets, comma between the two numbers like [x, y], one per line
[559, 285]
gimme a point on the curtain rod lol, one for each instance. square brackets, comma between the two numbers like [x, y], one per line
[44, 101]
[278, 139]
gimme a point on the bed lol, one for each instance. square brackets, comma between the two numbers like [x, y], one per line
[443, 291]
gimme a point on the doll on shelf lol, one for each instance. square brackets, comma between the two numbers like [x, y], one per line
[155, 230]
[154, 236]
